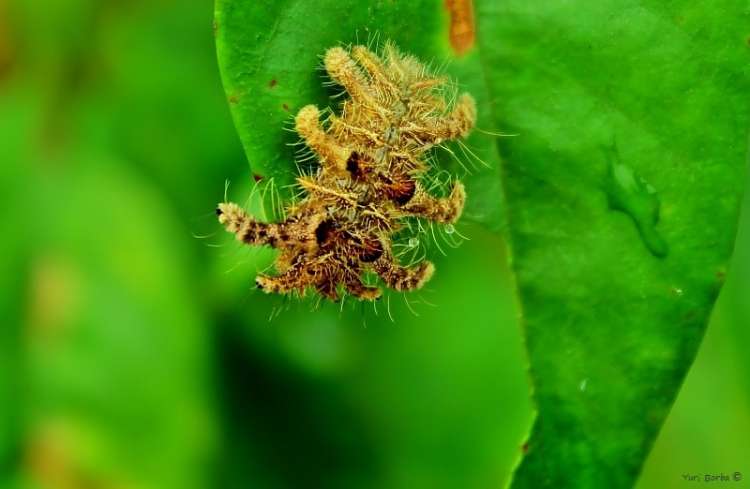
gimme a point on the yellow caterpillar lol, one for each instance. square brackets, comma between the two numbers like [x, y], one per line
[368, 181]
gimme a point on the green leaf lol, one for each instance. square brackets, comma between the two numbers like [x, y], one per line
[623, 188]
[623, 183]
[269, 55]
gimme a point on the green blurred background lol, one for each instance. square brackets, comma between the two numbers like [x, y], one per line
[135, 353]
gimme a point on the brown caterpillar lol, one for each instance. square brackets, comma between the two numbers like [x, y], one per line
[368, 181]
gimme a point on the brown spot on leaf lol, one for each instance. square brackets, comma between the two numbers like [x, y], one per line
[285, 107]
[272, 83]
[462, 31]
[257, 177]
[525, 447]
[233, 99]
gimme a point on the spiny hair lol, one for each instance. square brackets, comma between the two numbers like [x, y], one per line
[370, 178]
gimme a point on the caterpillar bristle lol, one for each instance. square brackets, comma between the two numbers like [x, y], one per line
[350, 219]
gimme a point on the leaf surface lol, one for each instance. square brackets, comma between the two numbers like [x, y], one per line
[622, 186]
[623, 189]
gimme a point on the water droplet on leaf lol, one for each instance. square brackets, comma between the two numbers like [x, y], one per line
[631, 194]
[449, 229]
[413, 242]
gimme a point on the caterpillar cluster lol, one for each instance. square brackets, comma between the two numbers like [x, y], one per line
[368, 181]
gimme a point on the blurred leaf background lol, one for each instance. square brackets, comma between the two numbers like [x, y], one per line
[134, 352]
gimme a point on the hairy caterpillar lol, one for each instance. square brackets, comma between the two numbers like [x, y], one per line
[369, 180]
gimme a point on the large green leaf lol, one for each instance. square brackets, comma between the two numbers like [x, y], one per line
[623, 189]
[269, 55]
[623, 184]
